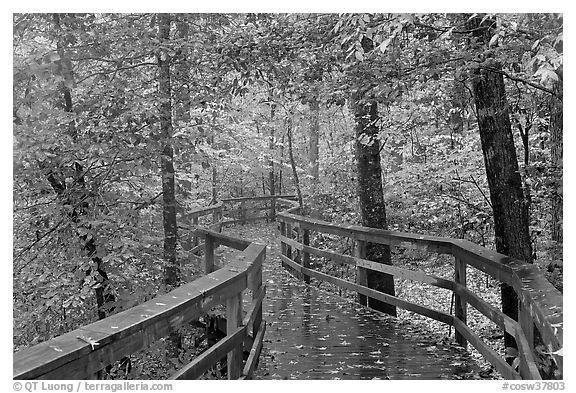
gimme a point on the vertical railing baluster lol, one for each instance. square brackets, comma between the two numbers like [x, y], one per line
[194, 226]
[282, 244]
[288, 234]
[233, 320]
[209, 255]
[527, 325]
[460, 304]
[305, 239]
[361, 273]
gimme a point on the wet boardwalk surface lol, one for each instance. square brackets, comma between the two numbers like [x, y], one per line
[312, 334]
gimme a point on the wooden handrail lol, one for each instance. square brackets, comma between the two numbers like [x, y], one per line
[541, 302]
[258, 198]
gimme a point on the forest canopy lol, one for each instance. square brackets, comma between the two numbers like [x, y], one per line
[124, 122]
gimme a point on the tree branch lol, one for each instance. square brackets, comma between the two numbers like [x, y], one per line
[524, 81]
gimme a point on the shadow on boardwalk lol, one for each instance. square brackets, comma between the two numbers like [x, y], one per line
[312, 334]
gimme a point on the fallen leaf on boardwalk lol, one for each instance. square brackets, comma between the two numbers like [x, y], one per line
[299, 346]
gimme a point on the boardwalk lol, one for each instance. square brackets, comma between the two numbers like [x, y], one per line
[312, 334]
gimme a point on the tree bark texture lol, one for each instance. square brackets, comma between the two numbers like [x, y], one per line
[511, 218]
[511, 215]
[556, 132]
[371, 196]
[172, 269]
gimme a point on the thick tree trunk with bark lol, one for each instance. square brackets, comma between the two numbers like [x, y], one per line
[556, 132]
[172, 269]
[371, 196]
[508, 203]
[511, 216]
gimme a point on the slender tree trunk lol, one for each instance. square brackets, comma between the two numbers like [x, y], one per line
[75, 195]
[509, 206]
[556, 132]
[172, 269]
[214, 184]
[314, 139]
[281, 167]
[271, 145]
[182, 73]
[371, 196]
[292, 161]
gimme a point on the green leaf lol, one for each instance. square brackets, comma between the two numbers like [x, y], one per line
[384, 45]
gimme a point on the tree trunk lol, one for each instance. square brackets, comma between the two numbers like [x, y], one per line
[314, 139]
[371, 196]
[509, 206]
[271, 145]
[172, 269]
[292, 161]
[171, 266]
[77, 197]
[214, 184]
[281, 167]
[556, 131]
[511, 217]
[182, 73]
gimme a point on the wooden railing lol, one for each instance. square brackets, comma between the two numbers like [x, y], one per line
[243, 209]
[540, 304]
[229, 211]
[85, 352]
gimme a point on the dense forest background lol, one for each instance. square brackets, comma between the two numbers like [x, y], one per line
[123, 122]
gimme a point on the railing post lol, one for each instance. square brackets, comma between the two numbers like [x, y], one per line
[272, 209]
[256, 288]
[233, 320]
[282, 244]
[209, 256]
[195, 225]
[288, 234]
[305, 236]
[526, 323]
[217, 217]
[361, 274]
[242, 212]
[460, 305]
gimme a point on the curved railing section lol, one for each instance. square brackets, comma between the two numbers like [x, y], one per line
[85, 352]
[540, 304]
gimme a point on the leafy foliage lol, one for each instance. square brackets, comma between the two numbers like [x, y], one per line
[239, 81]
